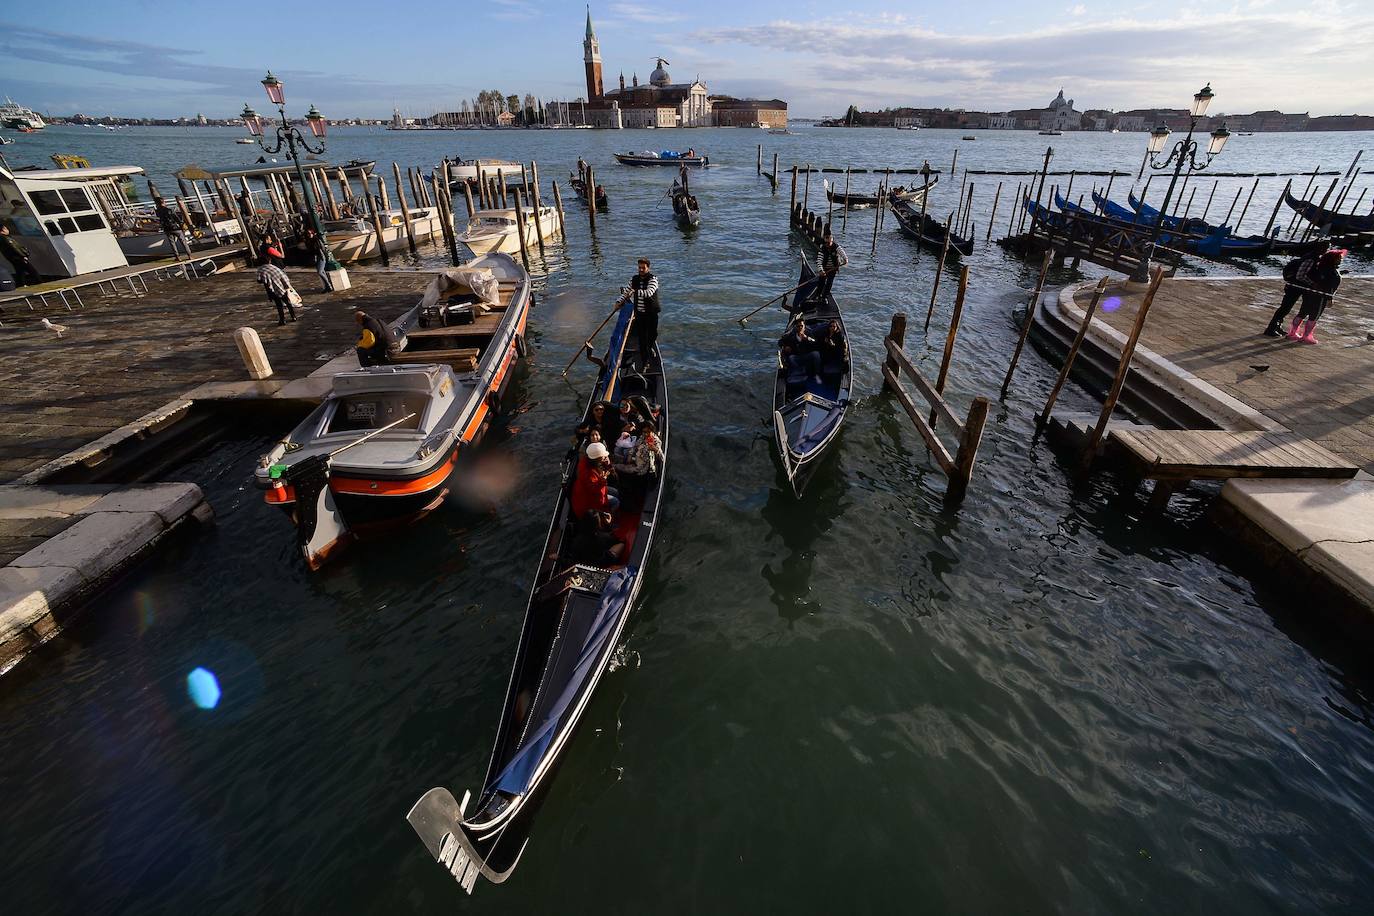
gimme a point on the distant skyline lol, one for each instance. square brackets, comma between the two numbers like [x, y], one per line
[166, 60]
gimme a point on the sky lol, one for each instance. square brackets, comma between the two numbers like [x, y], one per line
[140, 58]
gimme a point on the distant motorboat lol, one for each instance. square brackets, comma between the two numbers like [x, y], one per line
[784, 132]
[248, 140]
[5, 141]
[1051, 133]
[969, 137]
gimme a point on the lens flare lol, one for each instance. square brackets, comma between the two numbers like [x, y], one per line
[1111, 303]
[203, 688]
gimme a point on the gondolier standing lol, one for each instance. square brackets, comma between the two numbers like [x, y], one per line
[832, 258]
[643, 292]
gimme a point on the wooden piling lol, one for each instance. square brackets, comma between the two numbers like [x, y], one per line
[949, 340]
[376, 217]
[953, 166]
[345, 189]
[1011, 223]
[538, 217]
[501, 187]
[806, 189]
[1072, 355]
[520, 230]
[333, 202]
[1044, 171]
[774, 177]
[896, 334]
[1227, 221]
[1122, 370]
[758, 162]
[877, 212]
[1321, 206]
[792, 203]
[1107, 194]
[558, 205]
[995, 195]
[968, 450]
[1030, 319]
[1188, 208]
[939, 270]
[467, 200]
[405, 209]
[446, 204]
[385, 195]
[590, 180]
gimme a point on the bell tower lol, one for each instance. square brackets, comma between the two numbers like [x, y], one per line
[591, 59]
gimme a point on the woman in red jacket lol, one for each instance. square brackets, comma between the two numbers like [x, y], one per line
[591, 488]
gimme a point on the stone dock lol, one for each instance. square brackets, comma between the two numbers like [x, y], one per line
[82, 413]
[1202, 345]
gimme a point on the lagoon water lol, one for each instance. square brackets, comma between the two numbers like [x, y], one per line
[860, 701]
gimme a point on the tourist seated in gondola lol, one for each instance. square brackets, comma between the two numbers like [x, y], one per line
[801, 354]
[642, 465]
[649, 413]
[591, 489]
[834, 353]
[625, 444]
[596, 543]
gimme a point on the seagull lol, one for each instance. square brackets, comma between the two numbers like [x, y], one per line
[58, 329]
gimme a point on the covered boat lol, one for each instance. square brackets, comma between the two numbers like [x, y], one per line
[495, 230]
[809, 409]
[381, 447]
[663, 157]
[577, 611]
[355, 239]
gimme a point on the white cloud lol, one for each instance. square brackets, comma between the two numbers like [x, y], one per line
[1077, 10]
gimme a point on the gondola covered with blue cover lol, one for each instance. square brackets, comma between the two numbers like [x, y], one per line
[808, 410]
[576, 614]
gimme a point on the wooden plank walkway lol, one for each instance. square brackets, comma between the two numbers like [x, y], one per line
[1190, 454]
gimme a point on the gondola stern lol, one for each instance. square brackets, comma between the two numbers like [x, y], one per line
[437, 818]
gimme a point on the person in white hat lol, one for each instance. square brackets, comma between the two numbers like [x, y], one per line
[591, 489]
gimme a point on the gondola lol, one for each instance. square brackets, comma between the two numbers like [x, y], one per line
[580, 188]
[353, 165]
[686, 208]
[929, 231]
[1206, 240]
[808, 410]
[854, 201]
[1329, 221]
[666, 157]
[576, 614]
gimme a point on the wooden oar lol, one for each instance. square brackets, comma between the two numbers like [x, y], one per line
[588, 342]
[745, 319]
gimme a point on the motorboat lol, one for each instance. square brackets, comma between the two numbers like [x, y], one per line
[578, 609]
[495, 230]
[247, 141]
[472, 170]
[12, 114]
[663, 157]
[381, 448]
[355, 239]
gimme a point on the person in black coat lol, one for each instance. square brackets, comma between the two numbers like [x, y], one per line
[376, 342]
[1295, 278]
[10, 250]
[1322, 283]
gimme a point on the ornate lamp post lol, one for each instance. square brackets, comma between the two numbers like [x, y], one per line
[291, 137]
[1184, 154]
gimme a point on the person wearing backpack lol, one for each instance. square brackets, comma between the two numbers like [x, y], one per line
[1322, 283]
[1296, 274]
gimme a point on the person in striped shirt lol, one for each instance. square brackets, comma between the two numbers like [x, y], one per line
[279, 290]
[643, 292]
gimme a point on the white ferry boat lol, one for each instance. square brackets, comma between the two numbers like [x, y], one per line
[15, 115]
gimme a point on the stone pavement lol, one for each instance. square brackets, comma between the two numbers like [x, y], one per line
[1211, 327]
[122, 358]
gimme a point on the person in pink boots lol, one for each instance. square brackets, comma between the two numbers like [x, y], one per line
[1321, 284]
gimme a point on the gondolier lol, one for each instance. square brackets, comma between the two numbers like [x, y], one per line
[832, 258]
[643, 292]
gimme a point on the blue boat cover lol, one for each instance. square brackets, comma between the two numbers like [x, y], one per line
[516, 778]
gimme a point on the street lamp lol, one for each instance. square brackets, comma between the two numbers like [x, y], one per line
[1184, 154]
[291, 136]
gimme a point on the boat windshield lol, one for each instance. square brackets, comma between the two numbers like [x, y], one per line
[361, 412]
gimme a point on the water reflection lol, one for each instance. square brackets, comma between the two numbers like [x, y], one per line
[800, 524]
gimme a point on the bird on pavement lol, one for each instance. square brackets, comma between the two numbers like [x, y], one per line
[58, 329]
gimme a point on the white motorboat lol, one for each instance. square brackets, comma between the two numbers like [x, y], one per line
[12, 114]
[468, 169]
[356, 239]
[495, 230]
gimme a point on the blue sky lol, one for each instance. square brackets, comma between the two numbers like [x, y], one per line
[364, 58]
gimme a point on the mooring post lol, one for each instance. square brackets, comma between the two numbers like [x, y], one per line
[758, 164]
[774, 177]
[967, 454]
[1011, 223]
[449, 222]
[1122, 369]
[501, 181]
[806, 189]
[792, 203]
[1072, 355]
[405, 209]
[954, 163]
[995, 196]
[253, 354]
[877, 213]
[897, 334]
[590, 185]
[558, 205]
[1030, 319]
[376, 217]
[539, 217]
[520, 230]
[939, 270]
[949, 340]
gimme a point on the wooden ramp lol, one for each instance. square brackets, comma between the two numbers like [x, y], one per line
[1172, 457]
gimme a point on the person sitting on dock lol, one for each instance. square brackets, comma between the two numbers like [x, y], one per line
[377, 343]
[643, 291]
[800, 351]
[24, 274]
[279, 290]
[832, 258]
[1295, 274]
[596, 543]
[1322, 283]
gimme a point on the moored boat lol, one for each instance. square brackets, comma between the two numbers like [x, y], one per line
[473, 170]
[576, 614]
[355, 239]
[929, 231]
[495, 230]
[1329, 221]
[853, 201]
[380, 449]
[664, 157]
[809, 407]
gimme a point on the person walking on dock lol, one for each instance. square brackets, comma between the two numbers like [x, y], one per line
[832, 258]
[1322, 283]
[314, 246]
[1295, 275]
[643, 291]
[279, 290]
[10, 250]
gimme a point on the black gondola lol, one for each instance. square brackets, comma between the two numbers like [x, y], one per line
[686, 208]
[1329, 221]
[929, 231]
[576, 614]
[853, 201]
[580, 189]
[809, 408]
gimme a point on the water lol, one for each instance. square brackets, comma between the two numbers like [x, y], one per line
[863, 701]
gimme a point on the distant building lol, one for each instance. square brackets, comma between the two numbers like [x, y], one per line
[731, 112]
[1002, 121]
[908, 120]
[670, 104]
[1060, 115]
[1341, 122]
[1131, 122]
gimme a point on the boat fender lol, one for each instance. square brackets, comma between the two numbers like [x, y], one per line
[493, 402]
[522, 348]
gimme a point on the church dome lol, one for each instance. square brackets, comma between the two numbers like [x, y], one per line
[660, 77]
